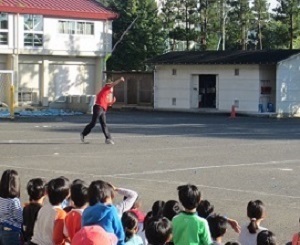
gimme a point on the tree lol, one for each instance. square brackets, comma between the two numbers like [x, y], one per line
[260, 21]
[143, 41]
[288, 13]
[239, 17]
[181, 19]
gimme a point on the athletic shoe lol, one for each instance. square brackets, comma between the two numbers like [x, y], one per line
[81, 137]
[109, 142]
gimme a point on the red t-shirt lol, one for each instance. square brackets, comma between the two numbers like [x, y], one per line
[104, 97]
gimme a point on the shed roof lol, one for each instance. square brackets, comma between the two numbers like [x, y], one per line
[80, 9]
[223, 57]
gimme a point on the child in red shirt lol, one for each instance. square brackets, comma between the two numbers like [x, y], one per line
[79, 197]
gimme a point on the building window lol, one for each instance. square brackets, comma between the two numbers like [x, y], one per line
[74, 27]
[3, 29]
[66, 27]
[33, 30]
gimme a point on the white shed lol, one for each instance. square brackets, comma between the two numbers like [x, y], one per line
[254, 81]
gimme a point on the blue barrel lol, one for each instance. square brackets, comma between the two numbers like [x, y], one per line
[270, 107]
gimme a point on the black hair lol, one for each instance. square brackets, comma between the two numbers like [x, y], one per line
[155, 213]
[99, 191]
[58, 189]
[78, 181]
[232, 243]
[189, 196]
[266, 237]
[205, 209]
[130, 224]
[217, 225]
[36, 189]
[255, 211]
[171, 209]
[10, 184]
[158, 231]
[157, 208]
[79, 193]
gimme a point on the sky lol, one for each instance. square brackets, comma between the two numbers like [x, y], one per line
[273, 3]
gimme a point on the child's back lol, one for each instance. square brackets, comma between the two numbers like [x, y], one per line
[30, 213]
[79, 197]
[101, 211]
[104, 215]
[256, 213]
[36, 191]
[10, 208]
[130, 225]
[189, 228]
[73, 222]
[47, 229]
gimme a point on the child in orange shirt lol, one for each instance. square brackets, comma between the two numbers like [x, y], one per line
[79, 198]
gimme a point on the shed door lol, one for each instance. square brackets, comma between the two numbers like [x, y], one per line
[207, 91]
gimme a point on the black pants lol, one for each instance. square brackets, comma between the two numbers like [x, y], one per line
[98, 112]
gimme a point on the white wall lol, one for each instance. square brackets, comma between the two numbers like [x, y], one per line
[244, 87]
[71, 79]
[288, 86]
[56, 76]
[93, 44]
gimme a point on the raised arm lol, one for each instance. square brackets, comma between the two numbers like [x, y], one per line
[126, 204]
[121, 79]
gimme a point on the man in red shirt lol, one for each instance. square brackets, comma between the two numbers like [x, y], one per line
[104, 99]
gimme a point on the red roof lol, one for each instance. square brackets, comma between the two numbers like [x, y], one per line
[80, 9]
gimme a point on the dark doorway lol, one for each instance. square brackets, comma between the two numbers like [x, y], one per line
[207, 91]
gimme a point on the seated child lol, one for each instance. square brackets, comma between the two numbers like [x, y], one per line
[188, 227]
[10, 208]
[171, 209]
[130, 225]
[217, 226]
[101, 210]
[94, 235]
[79, 198]
[155, 213]
[256, 213]
[266, 237]
[159, 231]
[205, 209]
[49, 225]
[36, 189]
[136, 209]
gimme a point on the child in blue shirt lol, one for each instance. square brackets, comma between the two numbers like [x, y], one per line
[101, 210]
